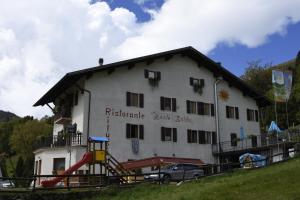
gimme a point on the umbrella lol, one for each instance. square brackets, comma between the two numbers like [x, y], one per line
[242, 133]
[274, 128]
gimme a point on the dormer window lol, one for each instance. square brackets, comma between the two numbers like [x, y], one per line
[197, 84]
[153, 77]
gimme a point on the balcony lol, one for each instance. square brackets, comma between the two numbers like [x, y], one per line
[63, 116]
[256, 143]
[61, 140]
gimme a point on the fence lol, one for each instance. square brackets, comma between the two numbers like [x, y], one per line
[99, 180]
[256, 141]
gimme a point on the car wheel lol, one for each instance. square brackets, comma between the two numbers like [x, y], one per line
[166, 179]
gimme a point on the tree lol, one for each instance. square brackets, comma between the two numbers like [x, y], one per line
[258, 76]
[24, 136]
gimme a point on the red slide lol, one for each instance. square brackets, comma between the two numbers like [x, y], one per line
[87, 157]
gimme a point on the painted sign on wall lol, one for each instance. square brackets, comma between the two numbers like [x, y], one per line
[170, 117]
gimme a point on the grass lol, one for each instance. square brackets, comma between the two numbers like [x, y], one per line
[280, 181]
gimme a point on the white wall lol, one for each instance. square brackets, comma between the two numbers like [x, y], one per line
[109, 91]
[228, 125]
[47, 156]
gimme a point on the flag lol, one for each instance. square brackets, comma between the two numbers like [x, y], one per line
[282, 85]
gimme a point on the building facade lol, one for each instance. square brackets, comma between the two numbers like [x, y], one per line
[175, 104]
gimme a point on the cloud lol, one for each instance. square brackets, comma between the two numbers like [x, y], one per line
[42, 40]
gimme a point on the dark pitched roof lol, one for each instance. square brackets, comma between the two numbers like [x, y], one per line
[71, 78]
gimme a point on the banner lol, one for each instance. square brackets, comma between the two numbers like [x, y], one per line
[288, 80]
[282, 85]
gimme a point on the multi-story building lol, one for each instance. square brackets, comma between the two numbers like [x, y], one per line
[177, 103]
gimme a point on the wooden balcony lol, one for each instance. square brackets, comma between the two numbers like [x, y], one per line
[63, 116]
[61, 140]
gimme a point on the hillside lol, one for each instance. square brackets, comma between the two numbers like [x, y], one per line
[6, 116]
[280, 181]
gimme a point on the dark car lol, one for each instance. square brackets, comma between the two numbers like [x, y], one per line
[176, 172]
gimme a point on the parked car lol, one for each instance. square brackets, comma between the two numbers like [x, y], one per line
[176, 172]
[6, 184]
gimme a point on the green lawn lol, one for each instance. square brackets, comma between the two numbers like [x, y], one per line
[280, 181]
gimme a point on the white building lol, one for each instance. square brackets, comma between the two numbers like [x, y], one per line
[177, 103]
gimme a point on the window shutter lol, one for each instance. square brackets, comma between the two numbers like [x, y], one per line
[141, 132]
[227, 111]
[191, 81]
[212, 109]
[128, 98]
[202, 82]
[201, 135]
[162, 103]
[256, 115]
[174, 104]
[189, 136]
[174, 134]
[200, 107]
[233, 139]
[141, 100]
[214, 137]
[188, 106]
[158, 76]
[127, 130]
[162, 134]
[146, 72]
[237, 113]
[248, 114]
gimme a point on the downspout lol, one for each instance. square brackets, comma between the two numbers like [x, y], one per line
[89, 113]
[218, 80]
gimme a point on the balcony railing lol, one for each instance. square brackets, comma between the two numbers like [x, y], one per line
[256, 142]
[61, 140]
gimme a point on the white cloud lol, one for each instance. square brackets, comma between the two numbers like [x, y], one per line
[41, 40]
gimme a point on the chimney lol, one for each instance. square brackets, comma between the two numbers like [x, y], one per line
[101, 60]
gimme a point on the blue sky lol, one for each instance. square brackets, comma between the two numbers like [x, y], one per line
[278, 48]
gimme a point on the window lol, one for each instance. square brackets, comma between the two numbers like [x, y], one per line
[204, 137]
[153, 77]
[191, 107]
[201, 137]
[197, 84]
[252, 115]
[59, 164]
[200, 108]
[195, 81]
[168, 134]
[192, 136]
[135, 99]
[232, 112]
[135, 131]
[152, 74]
[168, 104]
[233, 139]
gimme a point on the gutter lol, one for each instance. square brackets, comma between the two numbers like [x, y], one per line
[218, 80]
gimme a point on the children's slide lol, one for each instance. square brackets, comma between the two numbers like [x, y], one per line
[87, 157]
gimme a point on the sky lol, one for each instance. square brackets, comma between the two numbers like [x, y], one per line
[42, 40]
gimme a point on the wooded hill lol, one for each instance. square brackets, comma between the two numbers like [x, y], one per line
[6, 116]
[259, 76]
